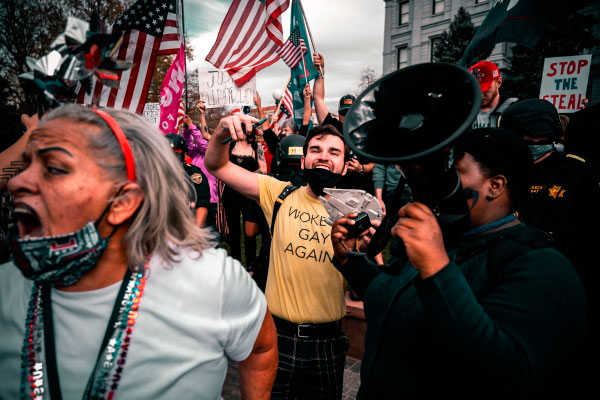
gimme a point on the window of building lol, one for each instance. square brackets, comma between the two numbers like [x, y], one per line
[438, 6]
[403, 15]
[402, 57]
[435, 41]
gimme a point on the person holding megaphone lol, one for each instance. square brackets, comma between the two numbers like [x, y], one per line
[477, 305]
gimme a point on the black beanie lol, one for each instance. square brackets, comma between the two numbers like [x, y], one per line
[501, 151]
[535, 118]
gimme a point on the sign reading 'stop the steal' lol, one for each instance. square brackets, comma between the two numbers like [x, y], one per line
[564, 82]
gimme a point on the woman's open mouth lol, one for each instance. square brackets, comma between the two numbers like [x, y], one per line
[28, 221]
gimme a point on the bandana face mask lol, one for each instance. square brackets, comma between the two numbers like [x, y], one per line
[63, 259]
[58, 260]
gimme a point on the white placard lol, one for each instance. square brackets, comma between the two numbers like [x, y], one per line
[152, 114]
[564, 82]
[218, 90]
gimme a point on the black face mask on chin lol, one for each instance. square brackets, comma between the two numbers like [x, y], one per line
[320, 178]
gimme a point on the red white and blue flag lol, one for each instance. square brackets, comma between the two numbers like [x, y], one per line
[286, 109]
[293, 50]
[150, 29]
[249, 38]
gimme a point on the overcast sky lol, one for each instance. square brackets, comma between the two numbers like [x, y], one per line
[349, 34]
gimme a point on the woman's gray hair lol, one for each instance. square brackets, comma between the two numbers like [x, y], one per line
[289, 123]
[164, 220]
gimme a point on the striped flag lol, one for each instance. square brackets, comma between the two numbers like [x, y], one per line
[150, 29]
[286, 110]
[249, 38]
[294, 48]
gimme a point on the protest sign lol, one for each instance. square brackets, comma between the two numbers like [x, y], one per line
[564, 82]
[217, 89]
[151, 114]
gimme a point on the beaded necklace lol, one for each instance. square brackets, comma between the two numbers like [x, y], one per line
[39, 373]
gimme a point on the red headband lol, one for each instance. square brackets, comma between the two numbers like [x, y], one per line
[123, 142]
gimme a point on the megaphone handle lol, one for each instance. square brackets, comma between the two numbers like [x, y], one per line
[383, 235]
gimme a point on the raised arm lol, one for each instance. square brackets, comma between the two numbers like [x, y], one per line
[203, 125]
[307, 105]
[217, 161]
[261, 113]
[10, 159]
[319, 89]
[195, 140]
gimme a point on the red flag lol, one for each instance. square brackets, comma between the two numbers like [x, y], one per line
[249, 38]
[286, 110]
[150, 29]
[294, 48]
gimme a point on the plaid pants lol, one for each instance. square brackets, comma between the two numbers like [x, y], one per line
[310, 368]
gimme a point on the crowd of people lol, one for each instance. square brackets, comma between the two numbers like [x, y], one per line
[113, 258]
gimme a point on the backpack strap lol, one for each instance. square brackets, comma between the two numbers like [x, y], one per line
[497, 113]
[279, 201]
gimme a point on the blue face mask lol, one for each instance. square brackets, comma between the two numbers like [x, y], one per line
[539, 150]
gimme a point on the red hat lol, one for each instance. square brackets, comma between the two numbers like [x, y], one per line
[485, 72]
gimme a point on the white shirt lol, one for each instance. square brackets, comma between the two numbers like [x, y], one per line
[193, 315]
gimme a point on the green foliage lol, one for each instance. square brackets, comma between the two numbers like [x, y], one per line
[453, 42]
[568, 33]
[27, 28]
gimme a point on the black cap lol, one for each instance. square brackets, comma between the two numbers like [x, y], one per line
[502, 151]
[177, 143]
[535, 118]
[291, 148]
[345, 103]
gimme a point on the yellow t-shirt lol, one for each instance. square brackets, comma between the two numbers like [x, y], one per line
[303, 285]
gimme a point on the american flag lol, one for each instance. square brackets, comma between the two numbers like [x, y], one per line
[286, 110]
[150, 29]
[294, 48]
[249, 38]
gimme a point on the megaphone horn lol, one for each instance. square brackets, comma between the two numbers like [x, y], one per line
[411, 118]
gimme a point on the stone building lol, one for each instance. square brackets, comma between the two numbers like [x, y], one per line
[412, 27]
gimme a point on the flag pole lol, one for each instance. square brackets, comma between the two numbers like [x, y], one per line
[312, 41]
[184, 58]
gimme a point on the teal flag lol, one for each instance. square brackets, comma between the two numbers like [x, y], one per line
[517, 21]
[304, 72]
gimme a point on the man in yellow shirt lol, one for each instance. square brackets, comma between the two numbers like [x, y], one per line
[305, 293]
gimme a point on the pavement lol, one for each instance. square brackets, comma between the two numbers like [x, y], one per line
[231, 388]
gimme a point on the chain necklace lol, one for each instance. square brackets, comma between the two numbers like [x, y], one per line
[39, 372]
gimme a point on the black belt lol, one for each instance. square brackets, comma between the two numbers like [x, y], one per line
[315, 331]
